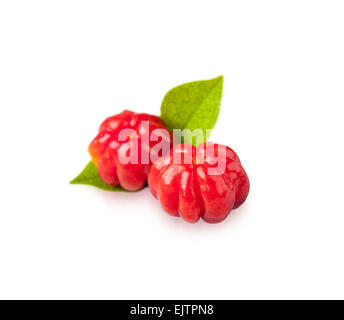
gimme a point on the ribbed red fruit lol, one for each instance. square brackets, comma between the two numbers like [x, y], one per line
[107, 149]
[185, 186]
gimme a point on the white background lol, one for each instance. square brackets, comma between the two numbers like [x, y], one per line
[66, 65]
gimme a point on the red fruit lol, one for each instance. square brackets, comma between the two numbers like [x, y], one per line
[107, 149]
[204, 184]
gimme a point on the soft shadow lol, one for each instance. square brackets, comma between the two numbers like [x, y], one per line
[124, 198]
[203, 227]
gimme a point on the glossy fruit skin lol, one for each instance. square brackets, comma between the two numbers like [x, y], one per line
[189, 191]
[106, 148]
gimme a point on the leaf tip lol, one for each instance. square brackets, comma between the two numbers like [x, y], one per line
[220, 78]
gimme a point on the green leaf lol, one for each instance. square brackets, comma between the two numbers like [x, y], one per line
[193, 105]
[90, 177]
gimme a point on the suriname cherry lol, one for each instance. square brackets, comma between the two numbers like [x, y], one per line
[205, 182]
[124, 136]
